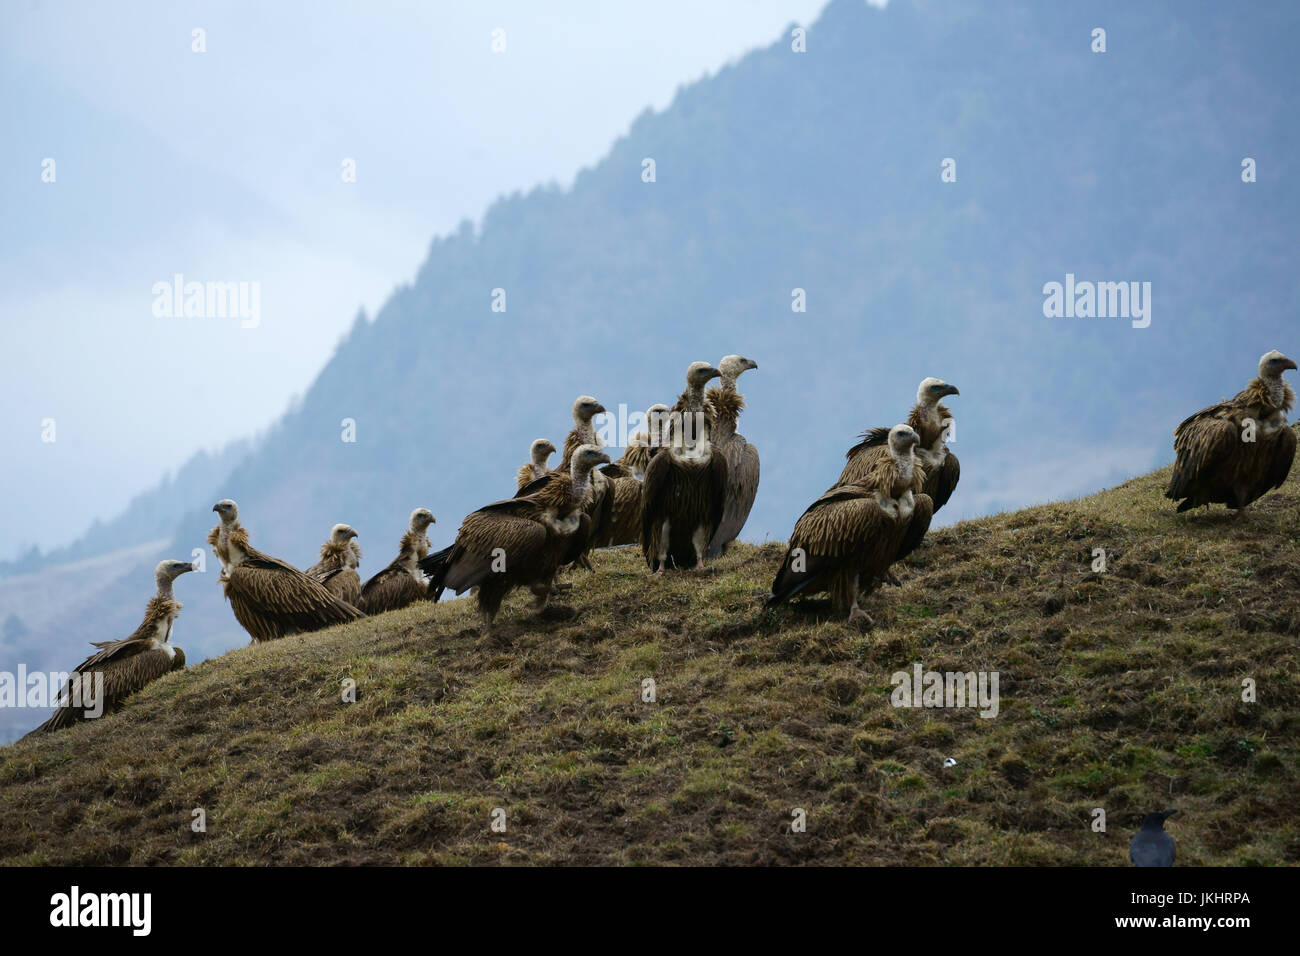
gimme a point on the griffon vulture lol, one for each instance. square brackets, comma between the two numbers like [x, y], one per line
[847, 539]
[401, 583]
[599, 505]
[932, 421]
[340, 556]
[685, 488]
[536, 467]
[519, 542]
[218, 536]
[271, 598]
[1240, 449]
[128, 664]
[741, 456]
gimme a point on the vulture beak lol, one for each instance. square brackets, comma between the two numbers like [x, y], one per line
[951, 390]
[215, 508]
[1288, 363]
[351, 533]
[600, 409]
[604, 459]
[713, 373]
[750, 363]
[193, 567]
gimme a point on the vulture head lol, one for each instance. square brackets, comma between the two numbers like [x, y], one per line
[1273, 364]
[585, 458]
[732, 366]
[699, 374]
[932, 390]
[656, 420]
[421, 518]
[585, 408]
[543, 449]
[902, 439]
[168, 571]
[342, 533]
[226, 510]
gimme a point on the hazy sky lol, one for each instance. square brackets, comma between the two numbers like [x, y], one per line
[227, 165]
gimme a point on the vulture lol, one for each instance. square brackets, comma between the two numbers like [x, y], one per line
[685, 487]
[741, 456]
[585, 408]
[402, 582]
[930, 419]
[128, 664]
[1240, 449]
[624, 478]
[340, 556]
[519, 542]
[219, 535]
[269, 597]
[536, 467]
[847, 539]
[643, 445]
[599, 505]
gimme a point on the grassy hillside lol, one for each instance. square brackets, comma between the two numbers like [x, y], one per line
[1119, 690]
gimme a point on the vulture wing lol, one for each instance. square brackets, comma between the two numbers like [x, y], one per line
[742, 486]
[521, 540]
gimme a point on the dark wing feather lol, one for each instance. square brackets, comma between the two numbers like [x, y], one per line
[271, 598]
[942, 482]
[523, 541]
[832, 533]
[1279, 465]
[653, 503]
[922, 513]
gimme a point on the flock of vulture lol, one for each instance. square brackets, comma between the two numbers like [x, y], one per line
[683, 491]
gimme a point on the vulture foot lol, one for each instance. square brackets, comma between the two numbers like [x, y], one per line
[859, 616]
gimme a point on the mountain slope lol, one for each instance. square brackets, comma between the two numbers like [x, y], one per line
[1119, 690]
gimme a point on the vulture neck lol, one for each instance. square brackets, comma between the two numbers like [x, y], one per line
[1275, 388]
[585, 431]
[904, 461]
[165, 588]
[581, 482]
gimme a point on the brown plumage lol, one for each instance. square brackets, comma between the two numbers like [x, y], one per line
[847, 539]
[540, 451]
[585, 408]
[741, 456]
[401, 583]
[624, 491]
[218, 535]
[599, 505]
[685, 488]
[1217, 463]
[624, 479]
[340, 556]
[519, 542]
[932, 421]
[271, 598]
[128, 664]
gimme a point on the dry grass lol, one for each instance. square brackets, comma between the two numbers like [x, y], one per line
[1119, 690]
